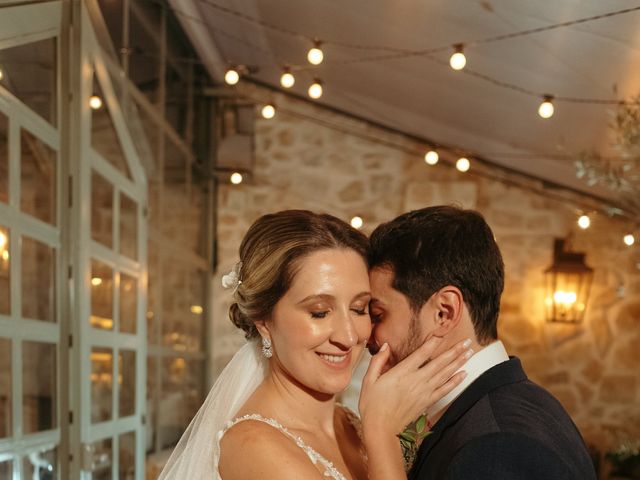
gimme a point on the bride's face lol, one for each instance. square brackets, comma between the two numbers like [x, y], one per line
[320, 327]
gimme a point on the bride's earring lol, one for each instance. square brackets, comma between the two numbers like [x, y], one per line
[266, 347]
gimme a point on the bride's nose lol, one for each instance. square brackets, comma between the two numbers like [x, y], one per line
[344, 331]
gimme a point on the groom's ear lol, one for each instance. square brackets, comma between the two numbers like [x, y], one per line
[448, 303]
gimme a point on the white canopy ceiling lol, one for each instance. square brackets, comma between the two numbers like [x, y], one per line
[421, 94]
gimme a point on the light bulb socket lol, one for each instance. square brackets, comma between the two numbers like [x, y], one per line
[458, 47]
[547, 98]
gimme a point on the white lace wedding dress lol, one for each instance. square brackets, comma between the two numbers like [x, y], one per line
[197, 454]
[330, 470]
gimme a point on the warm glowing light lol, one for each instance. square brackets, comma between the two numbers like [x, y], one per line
[268, 111]
[463, 164]
[546, 107]
[101, 322]
[1, 74]
[95, 102]
[584, 222]
[629, 240]
[458, 60]
[3, 240]
[232, 76]
[315, 90]
[197, 309]
[95, 281]
[287, 80]
[431, 157]
[5, 255]
[565, 298]
[315, 54]
[357, 222]
[236, 178]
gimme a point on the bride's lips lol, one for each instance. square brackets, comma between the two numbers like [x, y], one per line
[336, 361]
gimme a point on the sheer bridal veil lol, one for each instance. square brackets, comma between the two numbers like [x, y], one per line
[198, 451]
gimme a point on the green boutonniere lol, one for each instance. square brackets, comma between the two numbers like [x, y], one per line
[411, 438]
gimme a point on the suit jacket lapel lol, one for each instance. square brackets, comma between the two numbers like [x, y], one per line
[502, 374]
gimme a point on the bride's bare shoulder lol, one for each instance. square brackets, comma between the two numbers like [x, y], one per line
[251, 449]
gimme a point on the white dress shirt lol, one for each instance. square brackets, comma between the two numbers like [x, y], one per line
[487, 358]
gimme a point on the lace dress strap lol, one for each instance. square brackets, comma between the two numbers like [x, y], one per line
[330, 471]
[356, 423]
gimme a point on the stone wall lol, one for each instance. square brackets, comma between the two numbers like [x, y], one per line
[331, 163]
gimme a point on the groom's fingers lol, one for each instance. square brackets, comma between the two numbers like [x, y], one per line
[378, 361]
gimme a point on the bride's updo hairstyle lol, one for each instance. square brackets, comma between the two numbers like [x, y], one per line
[271, 252]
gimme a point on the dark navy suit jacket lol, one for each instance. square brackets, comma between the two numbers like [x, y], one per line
[504, 426]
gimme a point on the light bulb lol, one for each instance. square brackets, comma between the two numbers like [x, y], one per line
[1, 74]
[545, 110]
[287, 79]
[96, 281]
[5, 255]
[315, 54]
[431, 157]
[463, 164]
[584, 222]
[95, 102]
[458, 60]
[197, 309]
[236, 178]
[268, 111]
[357, 222]
[3, 240]
[629, 240]
[315, 90]
[232, 76]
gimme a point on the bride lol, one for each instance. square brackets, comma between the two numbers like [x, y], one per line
[301, 295]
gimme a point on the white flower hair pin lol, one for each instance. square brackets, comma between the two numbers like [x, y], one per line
[232, 279]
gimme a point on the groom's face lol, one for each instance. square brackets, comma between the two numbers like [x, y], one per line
[394, 322]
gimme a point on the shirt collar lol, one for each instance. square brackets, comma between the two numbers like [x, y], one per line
[487, 358]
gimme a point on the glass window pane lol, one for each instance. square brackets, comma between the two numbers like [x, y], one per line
[4, 159]
[29, 72]
[101, 210]
[128, 227]
[182, 306]
[39, 386]
[127, 467]
[128, 303]
[101, 295]
[5, 388]
[38, 178]
[5, 284]
[182, 383]
[101, 384]
[6, 469]
[41, 464]
[127, 381]
[38, 280]
[104, 137]
[101, 459]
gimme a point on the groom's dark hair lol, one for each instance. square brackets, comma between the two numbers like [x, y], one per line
[431, 248]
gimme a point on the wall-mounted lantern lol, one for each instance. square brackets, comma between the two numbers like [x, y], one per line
[568, 283]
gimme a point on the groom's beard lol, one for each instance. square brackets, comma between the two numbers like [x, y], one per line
[410, 343]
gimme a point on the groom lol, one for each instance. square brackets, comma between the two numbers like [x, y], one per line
[438, 272]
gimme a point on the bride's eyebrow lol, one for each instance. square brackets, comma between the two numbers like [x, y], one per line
[360, 295]
[325, 297]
